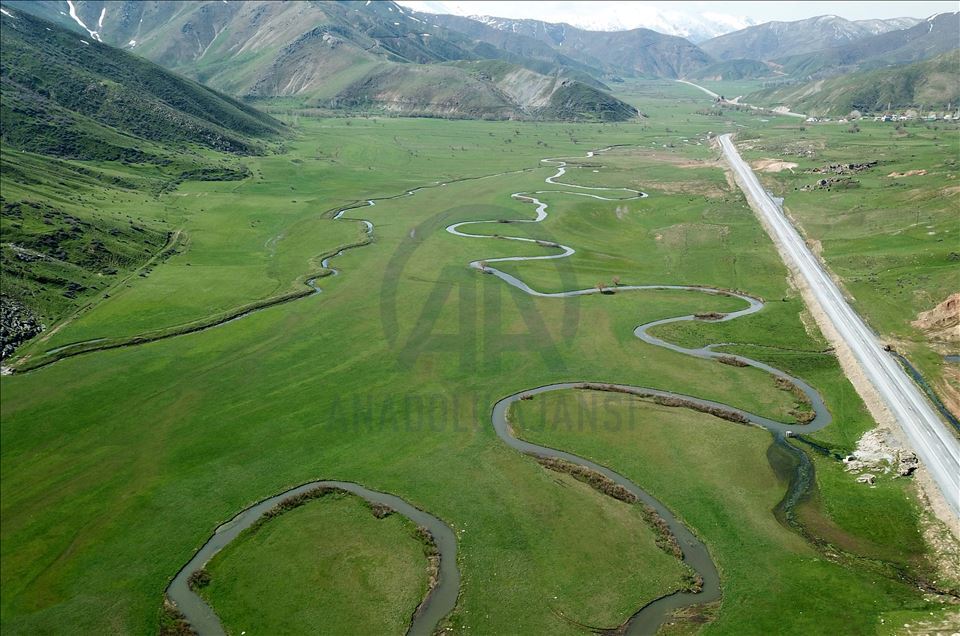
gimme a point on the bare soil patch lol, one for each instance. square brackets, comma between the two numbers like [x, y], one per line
[942, 323]
[773, 165]
[908, 173]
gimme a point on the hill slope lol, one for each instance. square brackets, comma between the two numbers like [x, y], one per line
[338, 54]
[90, 136]
[773, 40]
[735, 70]
[633, 52]
[934, 84]
[74, 97]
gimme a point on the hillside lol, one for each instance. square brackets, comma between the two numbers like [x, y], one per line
[735, 70]
[91, 135]
[72, 97]
[357, 55]
[772, 40]
[934, 84]
[936, 35]
[480, 89]
[635, 52]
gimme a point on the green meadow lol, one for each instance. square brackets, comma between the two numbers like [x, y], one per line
[354, 572]
[116, 465]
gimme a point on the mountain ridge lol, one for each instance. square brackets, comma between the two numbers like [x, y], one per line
[932, 85]
[778, 39]
[374, 56]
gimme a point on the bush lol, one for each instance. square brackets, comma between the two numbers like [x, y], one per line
[198, 579]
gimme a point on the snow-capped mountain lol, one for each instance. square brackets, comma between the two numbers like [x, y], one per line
[615, 16]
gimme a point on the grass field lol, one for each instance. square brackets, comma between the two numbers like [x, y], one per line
[116, 465]
[329, 567]
[774, 582]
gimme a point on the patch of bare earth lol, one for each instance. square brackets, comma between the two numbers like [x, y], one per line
[942, 323]
[941, 326]
[773, 165]
[908, 173]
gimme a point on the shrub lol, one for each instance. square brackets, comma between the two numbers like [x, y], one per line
[198, 579]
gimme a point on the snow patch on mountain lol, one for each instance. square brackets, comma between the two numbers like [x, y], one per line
[620, 16]
[76, 18]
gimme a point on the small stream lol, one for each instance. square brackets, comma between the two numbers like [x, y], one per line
[649, 618]
[439, 602]
[786, 459]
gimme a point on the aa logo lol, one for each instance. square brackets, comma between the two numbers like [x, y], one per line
[456, 310]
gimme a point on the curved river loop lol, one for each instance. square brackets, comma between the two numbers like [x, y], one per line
[442, 598]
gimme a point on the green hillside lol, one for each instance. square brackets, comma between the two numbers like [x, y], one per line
[73, 97]
[933, 84]
[734, 70]
[347, 55]
[91, 137]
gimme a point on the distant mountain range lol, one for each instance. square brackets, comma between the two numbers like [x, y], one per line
[380, 56]
[636, 52]
[695, 28]
[773, 40]
[934, 36]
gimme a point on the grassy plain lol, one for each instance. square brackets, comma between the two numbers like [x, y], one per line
[116, 465]
[774, 582]
[329, 567]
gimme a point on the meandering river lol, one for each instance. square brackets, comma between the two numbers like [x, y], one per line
[442, 598]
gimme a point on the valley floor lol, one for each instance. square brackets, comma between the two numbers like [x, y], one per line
[119, 463]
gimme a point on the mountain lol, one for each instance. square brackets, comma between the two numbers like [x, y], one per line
[635, 52]
[627, 16]
[773, 40]
[88, 132]
[73, 97]
[932, 84]
[375, 56]
[935, 35]
[736, 70]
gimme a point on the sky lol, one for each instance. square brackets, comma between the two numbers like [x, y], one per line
[679, 16]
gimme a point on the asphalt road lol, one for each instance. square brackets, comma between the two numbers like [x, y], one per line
[929, 436]
[780, 110]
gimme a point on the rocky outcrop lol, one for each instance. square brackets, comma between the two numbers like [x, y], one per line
[17, 325]
[909, 462]
[844, 168]
[879, 451]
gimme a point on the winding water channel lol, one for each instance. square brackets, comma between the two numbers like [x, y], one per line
[438, 603]
[442, 598]
[695, 553]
